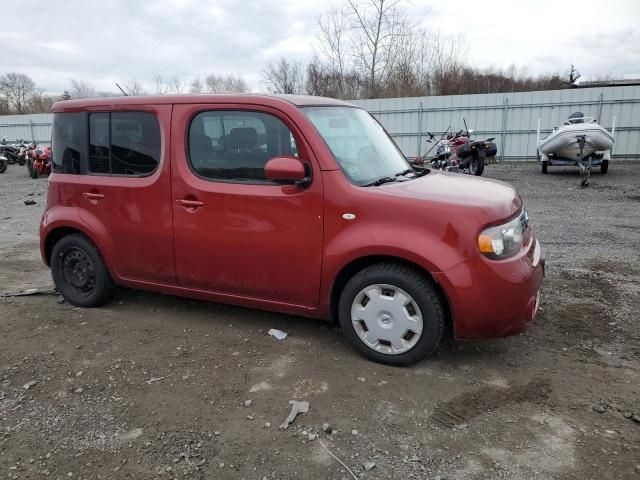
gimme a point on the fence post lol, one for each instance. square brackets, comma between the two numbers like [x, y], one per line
[599, 119]
[33, 138]
[503, 134]
[419, 146]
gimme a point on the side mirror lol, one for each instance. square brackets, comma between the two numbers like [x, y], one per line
[288, 171]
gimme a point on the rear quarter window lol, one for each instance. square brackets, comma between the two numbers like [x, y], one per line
[124, 143]
[66, 140]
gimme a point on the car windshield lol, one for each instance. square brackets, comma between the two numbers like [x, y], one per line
[359, 144]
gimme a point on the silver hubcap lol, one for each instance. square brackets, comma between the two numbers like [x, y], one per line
[387, 319]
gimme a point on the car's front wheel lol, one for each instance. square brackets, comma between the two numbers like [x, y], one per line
[392, 314]
[79, 272]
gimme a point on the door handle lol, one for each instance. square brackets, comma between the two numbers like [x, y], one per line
[189, 204]
[93, 197]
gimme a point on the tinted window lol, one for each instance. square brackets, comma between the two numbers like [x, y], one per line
[135, 143]
[124, 143]
[99, 155]
[65, 142]
[227, 145]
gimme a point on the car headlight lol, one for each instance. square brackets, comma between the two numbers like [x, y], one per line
[503, 241]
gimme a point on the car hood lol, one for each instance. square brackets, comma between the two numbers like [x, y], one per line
[497, 199]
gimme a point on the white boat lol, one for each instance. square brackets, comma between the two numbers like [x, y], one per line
[581, 142]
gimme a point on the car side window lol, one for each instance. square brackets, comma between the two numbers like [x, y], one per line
[236, 145]
[124, 143]
[66, 142]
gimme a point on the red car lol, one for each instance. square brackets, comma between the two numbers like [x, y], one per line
[296, 204]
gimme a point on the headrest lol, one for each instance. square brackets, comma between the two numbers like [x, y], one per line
[243, 137]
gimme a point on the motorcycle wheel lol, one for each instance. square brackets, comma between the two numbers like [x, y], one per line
[35, 173]
[30, 166]
[3, 166]
[476, 167]
[21, 161]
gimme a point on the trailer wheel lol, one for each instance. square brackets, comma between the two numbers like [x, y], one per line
[544, 167]
[604, 167]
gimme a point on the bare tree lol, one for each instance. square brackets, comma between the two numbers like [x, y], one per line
[4, 106]
[571, 77]
[229, 83]
[135, 88]
[445, 57]
[377, 27]
[196, 86]
[334, 45]
[41, 103]
[168, 86]
[284, 77]
[175, 85]
[82, 89]
[159, 87]
[17, 89]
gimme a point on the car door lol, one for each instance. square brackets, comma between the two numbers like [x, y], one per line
[125, 191]
[234, 232]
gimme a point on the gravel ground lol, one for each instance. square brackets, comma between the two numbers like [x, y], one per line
[152, 386]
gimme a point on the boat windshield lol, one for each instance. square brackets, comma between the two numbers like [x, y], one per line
[362, 148]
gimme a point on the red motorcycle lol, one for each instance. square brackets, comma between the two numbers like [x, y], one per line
[459, 153]
[39, 160]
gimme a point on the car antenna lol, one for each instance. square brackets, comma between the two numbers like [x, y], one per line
[123, 92]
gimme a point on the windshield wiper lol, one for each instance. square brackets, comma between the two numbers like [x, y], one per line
[405, 172]
[380, 181]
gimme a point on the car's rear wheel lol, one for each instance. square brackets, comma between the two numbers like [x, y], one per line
[79, 272]
[392, 314]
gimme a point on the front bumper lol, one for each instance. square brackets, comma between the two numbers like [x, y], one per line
[490, 298]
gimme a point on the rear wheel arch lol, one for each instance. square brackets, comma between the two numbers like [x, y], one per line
[58, 233]
[359, 264]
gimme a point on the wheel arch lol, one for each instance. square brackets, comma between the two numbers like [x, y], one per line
[354, 266]
[57, 233]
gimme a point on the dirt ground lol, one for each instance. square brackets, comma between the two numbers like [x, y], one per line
[152, 386]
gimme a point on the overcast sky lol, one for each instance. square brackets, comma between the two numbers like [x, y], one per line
[115, 40]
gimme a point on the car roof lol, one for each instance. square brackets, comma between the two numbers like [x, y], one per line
[245, 98]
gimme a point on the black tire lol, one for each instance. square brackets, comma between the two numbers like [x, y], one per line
[479, 169]
[35, 173]
[544, 167]
[79, 272]
[423, 293]
[3, 166]
[604, 167]
[30, 166]
[21, 161]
